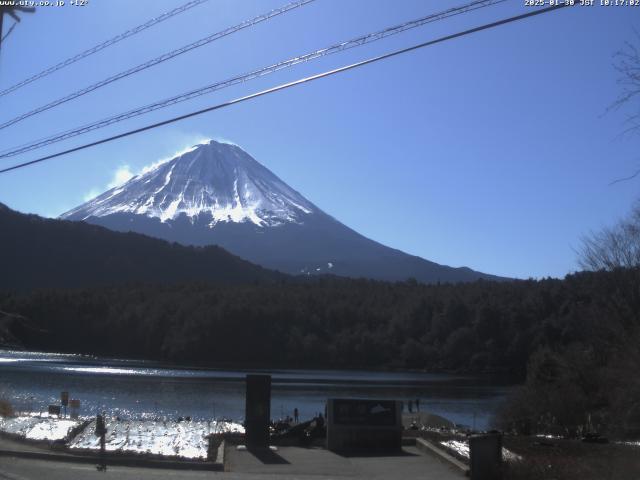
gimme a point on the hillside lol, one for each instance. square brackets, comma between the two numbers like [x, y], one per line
[37, 253]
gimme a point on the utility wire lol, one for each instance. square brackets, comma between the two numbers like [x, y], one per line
[4, 37]
[338, 47]
[291, 84]
[103, 45]
[155, 61]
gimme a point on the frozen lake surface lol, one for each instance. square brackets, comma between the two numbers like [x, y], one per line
[140, 390]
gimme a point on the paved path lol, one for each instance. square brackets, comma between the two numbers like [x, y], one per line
[288, 462]
[297, 462]
[15, 445]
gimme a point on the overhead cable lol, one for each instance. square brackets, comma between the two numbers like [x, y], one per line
[338, 47]
[103, 45]
[155, 61]
[289, 85]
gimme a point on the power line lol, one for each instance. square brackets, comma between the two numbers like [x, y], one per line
[158, 60]
[291, 84]
[4, 37]
[103, 45]
[338, 47]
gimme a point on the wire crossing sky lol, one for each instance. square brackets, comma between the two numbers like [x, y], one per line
[290, 84]
[494, 151]
[162, 58]
[102, 46]
[335, 48]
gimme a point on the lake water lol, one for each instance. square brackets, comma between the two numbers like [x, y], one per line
[138, 389]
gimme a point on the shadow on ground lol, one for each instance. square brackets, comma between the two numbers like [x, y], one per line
[267, 456]
[386, 454]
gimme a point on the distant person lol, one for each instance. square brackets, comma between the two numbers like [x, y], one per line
[410, 406]
[417, 405]
[296, 415]
[101, 431]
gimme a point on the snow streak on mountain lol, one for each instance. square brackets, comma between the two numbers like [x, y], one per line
[215, 180]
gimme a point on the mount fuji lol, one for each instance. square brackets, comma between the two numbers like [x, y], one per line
[216, 193]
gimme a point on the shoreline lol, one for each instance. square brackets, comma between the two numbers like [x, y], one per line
[165, 364]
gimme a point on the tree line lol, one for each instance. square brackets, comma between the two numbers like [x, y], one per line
[333, 322]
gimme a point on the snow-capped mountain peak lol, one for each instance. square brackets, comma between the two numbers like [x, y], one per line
[214, 181]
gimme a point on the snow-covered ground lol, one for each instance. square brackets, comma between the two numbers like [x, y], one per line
[161, 437]
[462, 448]
[631, 444]
[184, 439]
[38, 428]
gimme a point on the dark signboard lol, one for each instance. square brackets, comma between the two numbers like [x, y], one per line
[364, 412]
[54, 410]
[363, 425]
[74, 403]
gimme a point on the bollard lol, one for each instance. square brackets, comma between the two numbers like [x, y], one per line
[486, 456]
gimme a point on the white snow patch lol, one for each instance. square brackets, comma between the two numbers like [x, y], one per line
[160, 437]
[38, 428]
[170, 211]
[631, 444]
[462, 449]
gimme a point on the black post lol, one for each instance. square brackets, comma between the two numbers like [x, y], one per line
[258, 411]
[486, 456]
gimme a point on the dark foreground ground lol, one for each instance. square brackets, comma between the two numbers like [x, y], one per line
[287, 462]
[557, 458]
[572, 459]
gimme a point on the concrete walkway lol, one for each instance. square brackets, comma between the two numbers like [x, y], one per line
[320, 463]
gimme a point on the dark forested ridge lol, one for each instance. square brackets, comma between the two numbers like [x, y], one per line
[333, 322]
[36, 252]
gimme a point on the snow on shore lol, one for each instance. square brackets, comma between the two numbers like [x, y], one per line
[462, 448]
[38, 428]
[184, 439]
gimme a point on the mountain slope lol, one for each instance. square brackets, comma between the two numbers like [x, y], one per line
[216, 193]
[38, 253]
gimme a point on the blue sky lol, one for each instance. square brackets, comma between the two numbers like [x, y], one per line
[491, 151]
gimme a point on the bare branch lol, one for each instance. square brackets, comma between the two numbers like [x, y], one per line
[613, 247]
[625, 179]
